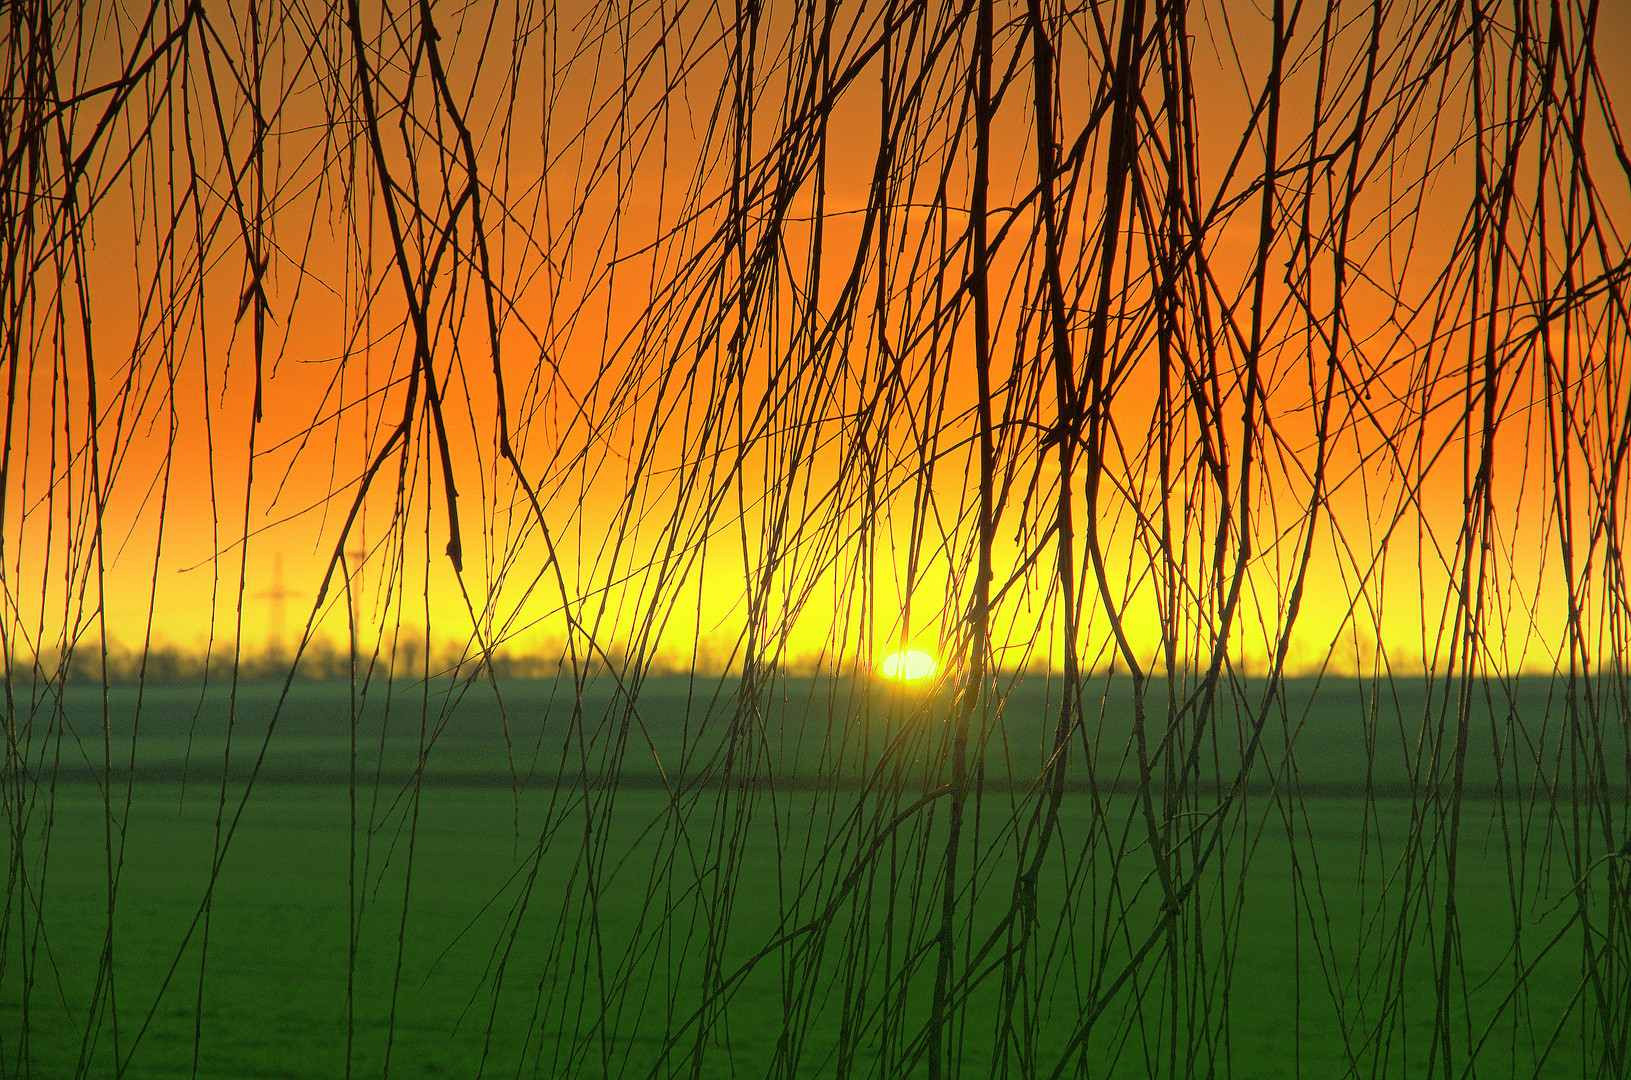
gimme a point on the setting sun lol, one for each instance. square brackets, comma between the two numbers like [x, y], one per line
[908, 666]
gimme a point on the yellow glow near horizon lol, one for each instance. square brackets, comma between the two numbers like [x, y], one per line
[909, 665]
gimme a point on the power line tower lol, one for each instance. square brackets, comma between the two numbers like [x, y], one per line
[276, 598]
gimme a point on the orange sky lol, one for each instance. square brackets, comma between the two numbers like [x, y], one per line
[664, 475]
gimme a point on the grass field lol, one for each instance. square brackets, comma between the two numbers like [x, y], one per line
[755, 892]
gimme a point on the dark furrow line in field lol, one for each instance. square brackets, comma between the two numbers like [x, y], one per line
[161, 774]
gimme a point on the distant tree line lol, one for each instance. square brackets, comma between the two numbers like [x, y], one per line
[322, 658]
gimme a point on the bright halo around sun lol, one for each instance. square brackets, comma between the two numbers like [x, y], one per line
[909, 665]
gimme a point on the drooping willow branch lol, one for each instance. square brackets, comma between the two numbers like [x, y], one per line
[1206, 384]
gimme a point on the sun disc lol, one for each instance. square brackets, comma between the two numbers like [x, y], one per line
[909, 665]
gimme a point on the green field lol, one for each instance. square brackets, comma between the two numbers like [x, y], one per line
[556, 884]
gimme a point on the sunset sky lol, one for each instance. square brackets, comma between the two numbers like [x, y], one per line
[738, 353]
